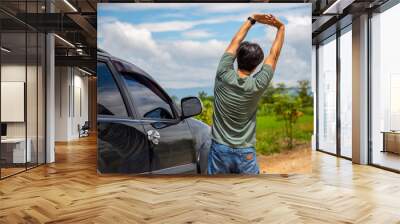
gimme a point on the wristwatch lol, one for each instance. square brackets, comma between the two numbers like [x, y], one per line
[252, 21]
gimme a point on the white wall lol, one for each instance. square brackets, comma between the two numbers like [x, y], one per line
[70, 84]
[33, 126]
[81, 100]
[13, 100]
[12, 73]
[360, 89]
[62, 81]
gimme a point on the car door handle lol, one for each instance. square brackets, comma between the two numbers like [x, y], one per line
[153, 136]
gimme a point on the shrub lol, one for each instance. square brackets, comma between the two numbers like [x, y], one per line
[288, 109]
[206, 115]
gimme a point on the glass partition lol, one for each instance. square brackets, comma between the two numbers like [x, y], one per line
[22, 101]
[385, 89]
[327, 96]
[13, 88]
[31, 97]
[346, 93]
[41, 96]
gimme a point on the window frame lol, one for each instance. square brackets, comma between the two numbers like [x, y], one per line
[172, 105]
[348, 28]
[333, 37]
[370, 72]
[120, 87]
[340, 26]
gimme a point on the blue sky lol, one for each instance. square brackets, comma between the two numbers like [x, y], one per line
[180, 44]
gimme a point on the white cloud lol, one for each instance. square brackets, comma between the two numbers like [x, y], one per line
[121, 37]
[177, 64]
[197, 34]
[303, 20]
[167, 26]
[179, 25]
[295, 59]
[192, 61]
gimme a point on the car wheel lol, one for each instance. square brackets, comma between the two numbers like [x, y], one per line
[198, 164]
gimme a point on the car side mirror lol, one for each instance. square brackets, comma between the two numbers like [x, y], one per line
[191, 106]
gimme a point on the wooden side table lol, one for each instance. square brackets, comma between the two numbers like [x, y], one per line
[391, 141]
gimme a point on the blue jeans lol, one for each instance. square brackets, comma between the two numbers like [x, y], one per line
[223, 159]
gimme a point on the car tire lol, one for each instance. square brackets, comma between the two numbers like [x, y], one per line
[198, 164]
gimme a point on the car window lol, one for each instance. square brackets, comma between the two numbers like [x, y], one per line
[150, 101]
[109, 99]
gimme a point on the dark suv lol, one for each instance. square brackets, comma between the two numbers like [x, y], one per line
[140, 128]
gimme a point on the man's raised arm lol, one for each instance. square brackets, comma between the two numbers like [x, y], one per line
[275, 50]
[239, 37]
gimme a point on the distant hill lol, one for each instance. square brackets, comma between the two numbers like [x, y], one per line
[180, 93]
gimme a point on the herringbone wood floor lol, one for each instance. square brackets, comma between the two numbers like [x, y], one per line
[70, 191]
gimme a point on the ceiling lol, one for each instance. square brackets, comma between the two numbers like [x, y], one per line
[75, 21]
[332, 15]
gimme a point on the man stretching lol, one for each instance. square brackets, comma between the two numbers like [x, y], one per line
[236, 95]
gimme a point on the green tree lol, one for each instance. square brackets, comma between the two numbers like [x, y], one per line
[287, 108]
[206, 115]
[304, 93]
[281, 88]
[267, 96]
[203, 95]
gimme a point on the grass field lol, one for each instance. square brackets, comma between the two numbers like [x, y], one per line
[270, 133]
[271, 137]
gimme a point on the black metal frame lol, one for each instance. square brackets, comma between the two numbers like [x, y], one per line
[316, 97]
[0, 90]
[338, 74]
[44, 71]
[338, 153]
[369, 89]
[25, 89]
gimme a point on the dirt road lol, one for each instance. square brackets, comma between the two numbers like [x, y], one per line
[297, 160]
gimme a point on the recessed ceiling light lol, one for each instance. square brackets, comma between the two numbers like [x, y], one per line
[70, 5]
[79, 51]
[65, 41]
[5, 50]
[337, 7]
[86, 72]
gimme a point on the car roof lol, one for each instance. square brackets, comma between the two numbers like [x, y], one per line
[128, 65]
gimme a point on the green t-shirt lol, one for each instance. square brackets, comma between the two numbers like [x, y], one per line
[235, 103]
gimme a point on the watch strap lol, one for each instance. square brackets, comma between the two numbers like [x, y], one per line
[252, 20]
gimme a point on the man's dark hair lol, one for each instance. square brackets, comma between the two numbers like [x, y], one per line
[249, 56]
